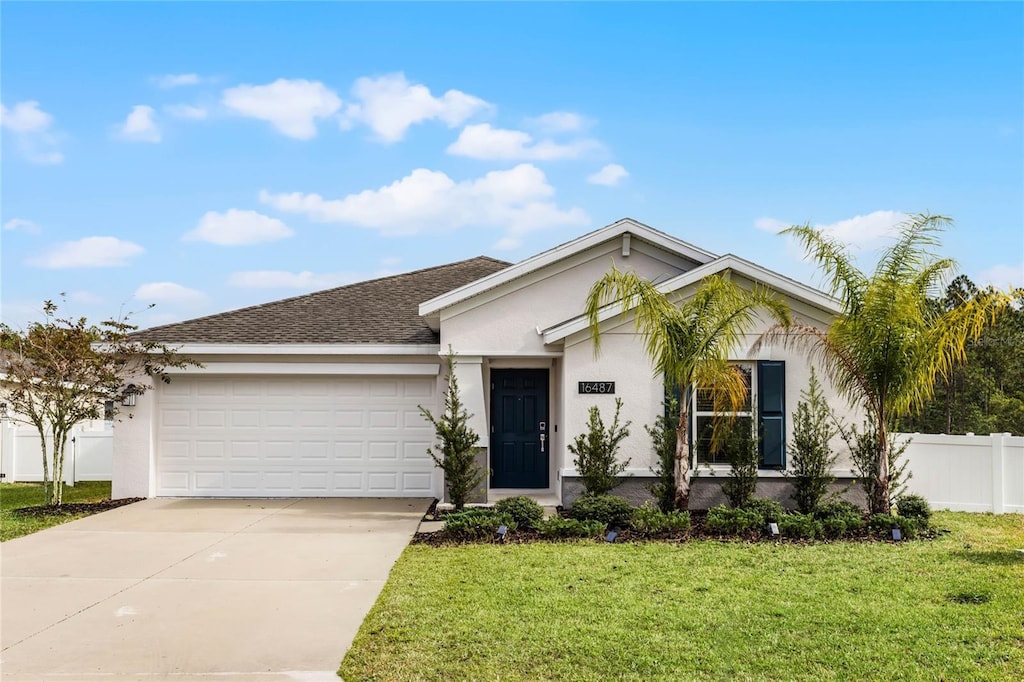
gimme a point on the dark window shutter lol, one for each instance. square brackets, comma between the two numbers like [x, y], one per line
[771, 413]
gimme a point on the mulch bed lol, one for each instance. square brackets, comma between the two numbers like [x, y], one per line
[75, 507]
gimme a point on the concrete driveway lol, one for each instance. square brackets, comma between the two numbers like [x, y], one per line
[198, 589]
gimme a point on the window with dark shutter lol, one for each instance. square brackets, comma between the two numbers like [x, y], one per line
[771, 413]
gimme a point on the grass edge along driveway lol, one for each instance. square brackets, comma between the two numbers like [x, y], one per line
[951, 608]
[17, 495]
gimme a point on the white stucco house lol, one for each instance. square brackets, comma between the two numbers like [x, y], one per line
[318, 395]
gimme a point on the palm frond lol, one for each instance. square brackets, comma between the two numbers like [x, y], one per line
[845, 281]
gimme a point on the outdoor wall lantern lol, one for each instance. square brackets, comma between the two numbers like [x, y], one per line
[129, 395]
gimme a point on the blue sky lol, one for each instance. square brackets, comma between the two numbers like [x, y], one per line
[207, 156]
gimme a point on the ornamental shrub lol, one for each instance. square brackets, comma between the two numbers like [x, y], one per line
[561, 527]
[914, 507]
[838, 508]
[741, 453]
[797, 525]
[722, 519]
[526, 512]
[596, 452]
[811, 456]
[457, 448]
[769, 510]
[650, 520]
[663, 438]
[608, 509]
[476, 524]
[881, 524]
[834, 527]
[863, 447]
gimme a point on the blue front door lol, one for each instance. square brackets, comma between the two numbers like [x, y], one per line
[520, 433]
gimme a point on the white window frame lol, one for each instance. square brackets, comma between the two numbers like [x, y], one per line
[751, 367]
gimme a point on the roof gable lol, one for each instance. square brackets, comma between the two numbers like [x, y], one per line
[379, 311]
[726, 263]
[615, 230]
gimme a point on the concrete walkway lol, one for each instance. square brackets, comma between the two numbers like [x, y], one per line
[259, 590]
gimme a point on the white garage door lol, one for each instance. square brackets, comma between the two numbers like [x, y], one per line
[330, 436]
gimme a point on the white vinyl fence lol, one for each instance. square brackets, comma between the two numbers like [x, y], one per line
[968, 473]
[88, 457]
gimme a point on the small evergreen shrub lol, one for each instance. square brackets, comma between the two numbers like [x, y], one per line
[596, 452]
[741, 453]
[881, 524]
[650, 520]
[840, 518]
[909, 527]
[476, 524]
[608, 509]
[525, 512]
[811, 455]
[834, 527]
[838, 508]
[863, 447]
[797, 525]
[729, 521]
[560, 527]
[770, 510]
[457, 448]
[663, 437]
[914, 507]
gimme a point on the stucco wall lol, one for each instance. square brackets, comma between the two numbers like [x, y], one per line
[623, 360]
[507, 321]
[132, 465]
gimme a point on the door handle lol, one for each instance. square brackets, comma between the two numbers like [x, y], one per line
[542, 439]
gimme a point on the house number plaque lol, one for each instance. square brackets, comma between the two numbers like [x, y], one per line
[601, 387]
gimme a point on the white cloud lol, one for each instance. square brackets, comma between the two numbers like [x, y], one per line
[390, 105]
[282, 279]
[168, 292]
[517, 200]
[140, 126]
[235, 227]
[33, 131]
[861, 232]
[25, 117]
[1002, 276]
[481, 141]
[609, 176]
[22, 225]
[291, 106]
[557, 122]
[90, 252]
[85, 298]
[770, 225]
[187, 111]
[176, 80]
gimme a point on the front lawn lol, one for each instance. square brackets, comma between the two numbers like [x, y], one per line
[951, 608]
[17, 495]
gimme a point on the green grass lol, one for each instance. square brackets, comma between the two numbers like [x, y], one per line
[16, 495]
[948, 609]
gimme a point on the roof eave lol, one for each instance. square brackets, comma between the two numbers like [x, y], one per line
[728, 262]
[618, 228]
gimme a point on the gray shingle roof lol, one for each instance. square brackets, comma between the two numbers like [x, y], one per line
[382, 310]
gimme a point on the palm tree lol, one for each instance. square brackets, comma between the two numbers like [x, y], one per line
[889, 343]
[689, 342]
